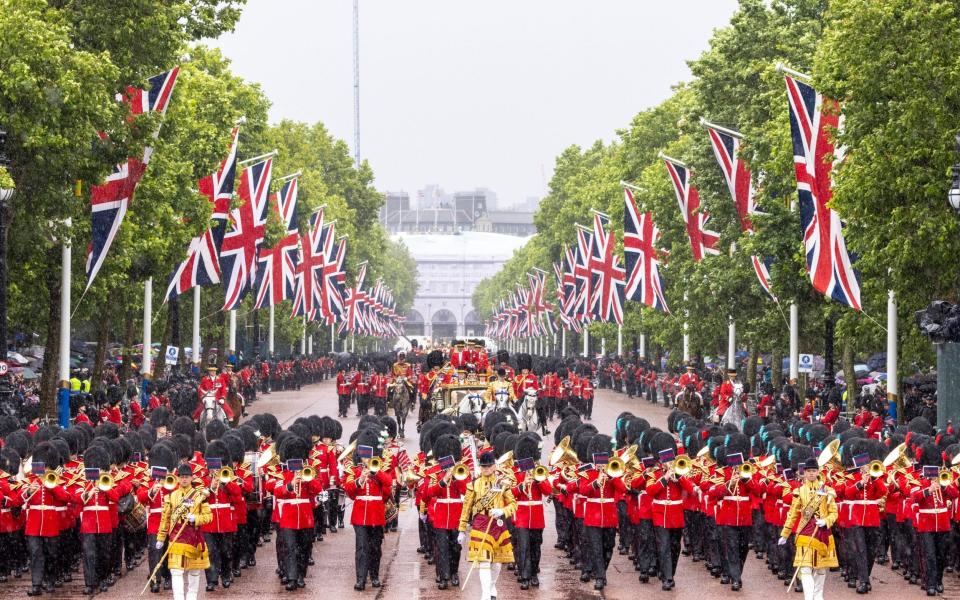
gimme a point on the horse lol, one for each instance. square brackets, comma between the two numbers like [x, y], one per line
[525, 410]
[212, 411]
[399, 398]
[473, 403]
[690, 401]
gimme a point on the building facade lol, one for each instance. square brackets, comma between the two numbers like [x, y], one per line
[449, 267]
[434, 211]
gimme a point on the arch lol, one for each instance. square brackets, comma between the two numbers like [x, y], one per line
[414, 325]
[472, 325]
[443, 323]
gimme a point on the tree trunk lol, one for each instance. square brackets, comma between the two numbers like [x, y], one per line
[126, 367]
[49, 382]
[777, 366]
[849, 374]
[103, 338]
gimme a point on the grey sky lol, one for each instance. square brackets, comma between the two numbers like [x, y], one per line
[469, 94]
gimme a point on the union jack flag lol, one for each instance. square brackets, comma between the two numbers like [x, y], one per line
[287, 204]
[202, 266]
[276, 271]
[726, 147]
[334, 280]
[610, 274]
[354, 302]
[238, 253]
[812, 117]
[110, 200]
[702, 240]
[642, 257]
[584, 276]
[305, 298]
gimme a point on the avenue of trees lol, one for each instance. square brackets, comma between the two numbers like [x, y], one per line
[894, 66]
[61, 66]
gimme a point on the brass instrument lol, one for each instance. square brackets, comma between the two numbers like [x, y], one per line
[615, 467]
[51, 479]
[226, 475]
[945, 477]
[308, 474]
[540, 473]
[830, 457]
[375, 464]
[170, 483]
[682, 466]
[346, 457]
[461, 472]
[505, 461]
[746, 470]
[875, 469]
[562, 454]
[105, 482]
[897, 459]
[410, 477]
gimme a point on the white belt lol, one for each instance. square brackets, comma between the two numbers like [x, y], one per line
[737, 498]
[599, 500]
[668, 502]
[529, 502]
[374, 498]
[42, 507]
[324, 470]
[86, 508]
[931, 511]
[862, 502]
[438, 500]
[154, 511]
[294, 500]
[220, 505]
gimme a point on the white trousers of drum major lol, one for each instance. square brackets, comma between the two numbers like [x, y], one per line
[192, 588]
[812, 580]
[488, 574]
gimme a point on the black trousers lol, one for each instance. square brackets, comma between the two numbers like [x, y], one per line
[564, 521]
[736, 545]
[363, 403]
[297, 548]
[643, 546]
[43, 558]
[220, 546]
[624, 530]
[153, 557]
[668, 550]
[528, 552]
[96, 554]
[712, 539]
[343, 404]
[369, 549]
[862, 546]
[602, 540]
[448, 552]
[933, 549]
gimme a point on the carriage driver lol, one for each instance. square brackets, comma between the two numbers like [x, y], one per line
[402, 368]
[499, 392]
[218, 385]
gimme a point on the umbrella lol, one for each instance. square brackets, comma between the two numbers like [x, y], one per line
[29, 373]
[17, 357]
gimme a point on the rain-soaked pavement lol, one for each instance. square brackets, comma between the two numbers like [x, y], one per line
[406, 575]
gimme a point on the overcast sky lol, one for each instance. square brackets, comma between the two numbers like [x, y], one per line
[470, 94]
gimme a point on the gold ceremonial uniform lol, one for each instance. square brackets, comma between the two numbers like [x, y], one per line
[187, 548]
[490, 394]
[815, 546]
[489, 537]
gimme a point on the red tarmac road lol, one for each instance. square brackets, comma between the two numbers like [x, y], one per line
[406, 575]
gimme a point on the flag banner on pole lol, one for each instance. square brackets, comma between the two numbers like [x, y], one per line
[305, 297]
[238, 253]
[642, 257]
[610, 274]
[276, 271]
[287, 204]
[762, 269]
[812, 119]
[584, 276]
[702, 240]
[110, 200]
[202, 266]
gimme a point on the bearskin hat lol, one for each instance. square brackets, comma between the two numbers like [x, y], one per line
[840, 426]
[524, 361]
[599, 444]
[184, 446]
[161, 455]
[293, 448]
[503, 357]
[160, 417]
[490, 420]
[9, 461]
[662, 441]
[217, 450]
[215, 430]
[46, 453]
[643, 441]
[468, 422]
[234, 443]
[510, 442]
[920, 425]
[390, 424]
[581, 445]
[738, 442]
[566, 428]
[110, 430]
[97, 457]
[752, 425]
[370, 437]
[249, 437]
[301, 429]
[853, 432]
[443, 427]
[853, 447]
[528, 446]
[435, 359]
[331, 428]
[269, 425]
[8, 424]
[446, 445]
[876, 449]
[797, 455]
[929, 455]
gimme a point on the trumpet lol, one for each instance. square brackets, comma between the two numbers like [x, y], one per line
[170, 483]
[875, 469]
[461, 472]
[945, 477]
[51, 480]
[746, 470]
[308, 474]
[682, 466]
[226, 475]
[105, 482]
[615, 467]
[375, 464]
[540, 473]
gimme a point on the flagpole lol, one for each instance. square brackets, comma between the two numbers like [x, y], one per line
[563, 344]
[333, 339]
[686, 334]
[732, 345]
[353, 340]
[310, 345]
[643, 345]
[619, 340]
[272, 323]
[794, 342]
[586, 342]
[146, 365]
[232, 341]
[603, 345]
[63, 394]
[303, 340]
[197, 357]
[893, 387]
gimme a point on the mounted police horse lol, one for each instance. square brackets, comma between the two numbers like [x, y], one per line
[690, 401]
[400, 398]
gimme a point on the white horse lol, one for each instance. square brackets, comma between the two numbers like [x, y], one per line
[473, 403]
[212, 411]
[526, 410]
[736, 412]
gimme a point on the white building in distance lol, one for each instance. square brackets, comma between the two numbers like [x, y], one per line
[449, 267]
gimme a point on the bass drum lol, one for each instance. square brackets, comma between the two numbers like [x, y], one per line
[136, 519]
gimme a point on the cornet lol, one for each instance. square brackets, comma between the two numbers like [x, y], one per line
[375, 464]
[615, 468]
[105, 483]
[461, 472]
[170, 483]
[226, 475]
[875, 469]
[746, 470]
[945, 477]
[682, 466]
[540, 473]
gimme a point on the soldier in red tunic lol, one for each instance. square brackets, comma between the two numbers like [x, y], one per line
[369, 489]
[446, 495]
[529, 522]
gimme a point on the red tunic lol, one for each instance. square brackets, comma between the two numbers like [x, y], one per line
[600, 508]
[368, 499]
[447, 503]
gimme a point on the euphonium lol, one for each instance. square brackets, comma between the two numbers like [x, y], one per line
[540, 473]
[682, 466]
[170, 483]
[615, 467]
[461, 472]
[226, 475]
[105, 483]
[875, 469]
[375, 464]
[746, 470]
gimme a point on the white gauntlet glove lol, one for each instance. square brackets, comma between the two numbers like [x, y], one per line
[821, 523]
[496, 513]
[461, 537]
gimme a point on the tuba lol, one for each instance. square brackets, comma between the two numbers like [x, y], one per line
[563, 454]
[830, 457]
